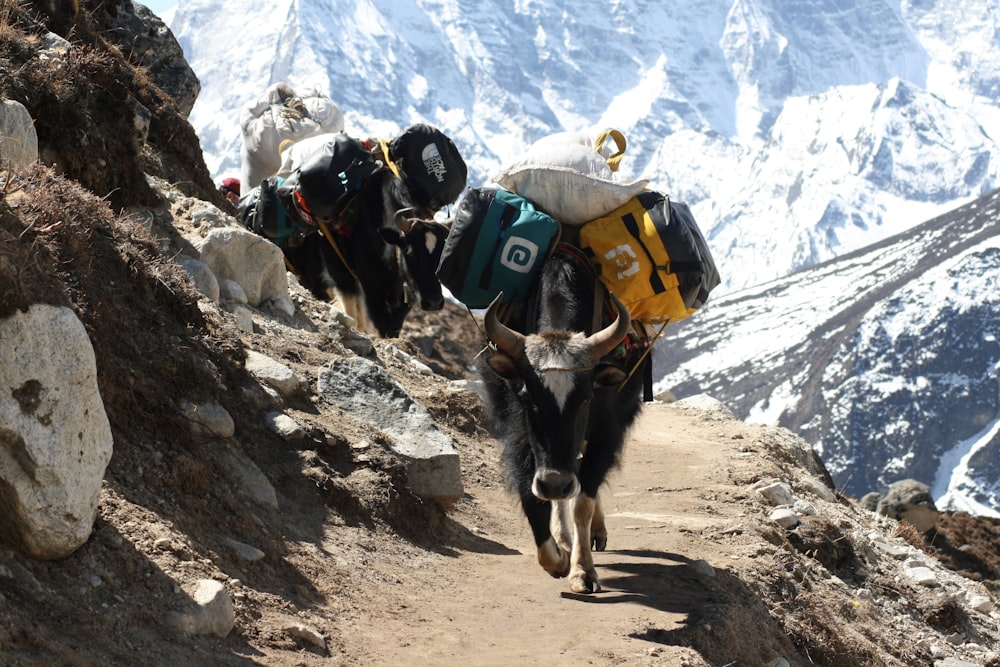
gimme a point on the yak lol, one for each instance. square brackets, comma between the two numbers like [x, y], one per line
[380, 262]
[561, 412]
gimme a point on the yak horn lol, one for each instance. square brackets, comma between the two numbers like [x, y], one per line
[607, 339]
[506, 339]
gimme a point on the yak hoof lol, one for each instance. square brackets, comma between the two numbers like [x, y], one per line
[553, 560]
[584, 582]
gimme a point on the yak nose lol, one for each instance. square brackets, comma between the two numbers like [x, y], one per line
[550, 484]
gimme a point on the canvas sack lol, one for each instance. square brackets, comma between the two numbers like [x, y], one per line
[281, 113]
[571, 176]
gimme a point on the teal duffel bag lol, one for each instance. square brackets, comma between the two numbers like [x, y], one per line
[498, 242]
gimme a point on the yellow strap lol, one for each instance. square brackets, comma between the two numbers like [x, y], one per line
[336, 247]
[616, 158]
[288, 265]
[383, 144]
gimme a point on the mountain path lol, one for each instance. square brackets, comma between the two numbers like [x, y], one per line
[496, 606]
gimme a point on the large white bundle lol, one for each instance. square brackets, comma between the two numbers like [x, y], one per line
[282, 113]
[299, 153]
[571, 176]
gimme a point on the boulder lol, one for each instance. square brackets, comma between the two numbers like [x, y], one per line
[148, 43]
[18, 139]
[55, 438]
[911, 501]
[251, 261]
[363, 388]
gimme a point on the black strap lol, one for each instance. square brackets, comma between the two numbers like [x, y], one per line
[506, 220]
[647, 380]
[654, 278]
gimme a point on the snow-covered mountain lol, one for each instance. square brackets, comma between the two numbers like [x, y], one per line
[797, 131]
[800, 132]
[887, 359]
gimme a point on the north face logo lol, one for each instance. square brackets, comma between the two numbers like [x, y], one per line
[433, 162]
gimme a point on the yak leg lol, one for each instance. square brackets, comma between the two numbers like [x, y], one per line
[553, 559]
[582, 575]
[560, 524]
[598, 529]
[354, 306]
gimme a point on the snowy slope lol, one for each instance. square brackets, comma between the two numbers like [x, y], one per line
[887, 360]
[798, 131]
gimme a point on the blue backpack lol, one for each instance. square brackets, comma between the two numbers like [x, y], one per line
[498, 242]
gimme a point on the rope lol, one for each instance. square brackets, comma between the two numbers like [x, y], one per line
[383, 145]
[336, 247]
[294, 109]
[642, 357]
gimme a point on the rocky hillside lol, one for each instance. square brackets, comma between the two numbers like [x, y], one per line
[245, 516]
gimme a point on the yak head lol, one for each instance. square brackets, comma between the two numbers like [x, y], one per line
[554, 375]
[420, 240]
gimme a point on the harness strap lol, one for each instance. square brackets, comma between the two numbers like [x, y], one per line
[383, 144]
[647, 389]
[336, 248]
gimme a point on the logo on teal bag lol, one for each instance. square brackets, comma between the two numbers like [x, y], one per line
[518, 254]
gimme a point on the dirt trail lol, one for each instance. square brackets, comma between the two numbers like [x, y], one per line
[493, 605]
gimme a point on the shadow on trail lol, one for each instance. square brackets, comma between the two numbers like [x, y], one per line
[721, 618]
[656, 579]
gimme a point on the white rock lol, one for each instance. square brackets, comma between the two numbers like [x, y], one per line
[55, 438]
[214, 614]
[785, 517]
[981, 603]
[252, 261]
[307, 633]
[208, 420]
[18, 138]
[280, 305]
[285, 426]
[817, 488]
[252, 482]
[244, 317]
[954, 662]
[922, 575]
[804, 508]
[245, 551]
[777, 493]
[201, 275]
[274, 374]
[894, 550]
[230, 290]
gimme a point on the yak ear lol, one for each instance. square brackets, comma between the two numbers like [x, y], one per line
[503, 365]
[390, 235]
[609, 376]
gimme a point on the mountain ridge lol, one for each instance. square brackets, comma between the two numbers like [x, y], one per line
[755, 384]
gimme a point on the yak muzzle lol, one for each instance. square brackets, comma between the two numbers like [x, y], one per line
[551, 484]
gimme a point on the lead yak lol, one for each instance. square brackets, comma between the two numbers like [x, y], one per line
[561, 414]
